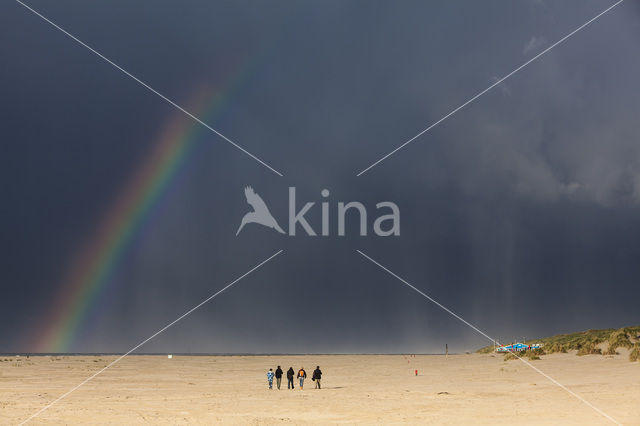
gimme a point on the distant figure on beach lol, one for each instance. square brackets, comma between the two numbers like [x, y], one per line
[302, 375]
[290, 374]
[278, 376]
[270, 378]
[317, 375]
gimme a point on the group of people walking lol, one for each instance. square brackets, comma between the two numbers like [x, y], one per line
[302, 374]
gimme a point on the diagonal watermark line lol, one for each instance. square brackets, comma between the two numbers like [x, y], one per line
[146, 86]
[64, 395]
[562, 40]
[599, 411]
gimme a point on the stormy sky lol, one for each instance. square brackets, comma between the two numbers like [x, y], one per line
[520, 213]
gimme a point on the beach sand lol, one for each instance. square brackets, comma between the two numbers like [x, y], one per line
[364, 389]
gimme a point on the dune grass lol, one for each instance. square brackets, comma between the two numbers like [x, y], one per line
[532, 355]
[585, 343]
[634, 355]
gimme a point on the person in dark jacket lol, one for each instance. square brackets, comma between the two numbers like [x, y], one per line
[290, 374]
[278, 376]
[302, 375]
[317, 375]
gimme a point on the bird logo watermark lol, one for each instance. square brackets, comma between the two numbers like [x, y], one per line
[260, 214]
[384, 225]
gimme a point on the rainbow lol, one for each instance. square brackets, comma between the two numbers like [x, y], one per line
[97, 260]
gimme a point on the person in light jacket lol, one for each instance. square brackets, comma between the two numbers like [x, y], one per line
[270, 378]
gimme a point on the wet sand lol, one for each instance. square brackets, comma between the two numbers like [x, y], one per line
[364, 389]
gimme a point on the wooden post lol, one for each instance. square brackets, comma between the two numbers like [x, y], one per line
[446, 349]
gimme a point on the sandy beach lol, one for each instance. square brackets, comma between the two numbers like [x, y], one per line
[372, 389]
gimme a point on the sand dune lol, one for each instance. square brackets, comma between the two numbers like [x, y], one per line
[373, 389]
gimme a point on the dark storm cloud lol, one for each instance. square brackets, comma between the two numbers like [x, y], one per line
[520, 213]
